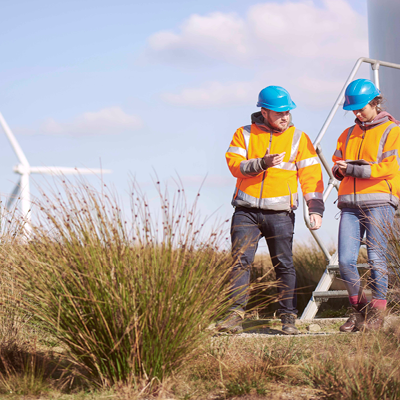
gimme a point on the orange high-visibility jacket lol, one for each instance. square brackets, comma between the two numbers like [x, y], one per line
[372, 175]
[274, 188]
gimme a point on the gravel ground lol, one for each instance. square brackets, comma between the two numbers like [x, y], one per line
[316, 327]
[272, 327]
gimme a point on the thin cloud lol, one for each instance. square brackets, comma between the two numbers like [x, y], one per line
[212, 94]
[215, 35]
[311, 90]
[108, 121]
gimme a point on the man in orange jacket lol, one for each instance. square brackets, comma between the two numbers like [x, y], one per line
[268, 157]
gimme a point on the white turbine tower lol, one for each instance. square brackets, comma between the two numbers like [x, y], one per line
[21, 189]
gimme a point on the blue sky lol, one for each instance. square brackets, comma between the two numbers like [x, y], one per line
[162, 86]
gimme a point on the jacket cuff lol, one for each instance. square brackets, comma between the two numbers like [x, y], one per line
[316, 206]
[262, 163]
[358, 171]
[336, 173]
[251, 167]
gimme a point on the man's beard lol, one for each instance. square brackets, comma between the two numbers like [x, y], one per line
[279, 128]
[275, 127]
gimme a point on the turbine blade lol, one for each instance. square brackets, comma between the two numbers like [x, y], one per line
[14, 144]
[14, 195]
[67, 171]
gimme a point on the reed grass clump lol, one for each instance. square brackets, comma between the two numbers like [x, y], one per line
[128, 298]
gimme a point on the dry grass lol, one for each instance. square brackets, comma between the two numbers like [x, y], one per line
[334, 367]
[350, 366]
[70, 295]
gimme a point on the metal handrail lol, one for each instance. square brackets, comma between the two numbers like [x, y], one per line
[334, 183]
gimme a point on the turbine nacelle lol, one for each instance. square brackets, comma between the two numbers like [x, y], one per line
[21, 169]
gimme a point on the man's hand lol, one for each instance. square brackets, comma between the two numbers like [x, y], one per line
[342, 166]
[271, 160]
[315, 221]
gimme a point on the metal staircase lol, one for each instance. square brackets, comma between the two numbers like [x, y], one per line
[322, 292]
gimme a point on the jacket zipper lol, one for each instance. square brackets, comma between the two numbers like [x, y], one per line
[390, 189]
[358, 157]
[238, 188]
[291, 199]
[262, 182]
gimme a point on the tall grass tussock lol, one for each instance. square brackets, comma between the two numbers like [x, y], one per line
[127, 299]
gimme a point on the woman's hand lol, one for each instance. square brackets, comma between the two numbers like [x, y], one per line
[342, 166]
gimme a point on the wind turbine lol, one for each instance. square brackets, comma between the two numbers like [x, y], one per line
[24, 169]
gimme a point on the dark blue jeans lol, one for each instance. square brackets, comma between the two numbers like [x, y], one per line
[248, 226]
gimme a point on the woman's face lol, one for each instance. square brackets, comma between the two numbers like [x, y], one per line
[366, 114]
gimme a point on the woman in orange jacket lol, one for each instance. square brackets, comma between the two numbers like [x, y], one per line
[367, 164]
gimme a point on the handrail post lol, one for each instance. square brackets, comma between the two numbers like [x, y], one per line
[375, 68]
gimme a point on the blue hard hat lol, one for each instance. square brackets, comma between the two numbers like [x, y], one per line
[359, 93]
[275, 98]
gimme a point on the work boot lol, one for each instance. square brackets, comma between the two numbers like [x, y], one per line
[374, 319]
[355, 320]
[289, 324]
[232, 323]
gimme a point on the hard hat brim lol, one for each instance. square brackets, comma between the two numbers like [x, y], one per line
[353, 107]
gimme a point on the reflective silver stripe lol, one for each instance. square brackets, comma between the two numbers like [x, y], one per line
[314, 195]
[237, 150]
[272, 203]
[246, 137]
[383, 142]
[286, 165]
[295, 144]
[338, 153]
[348, 138]
[367, 199]
[307, 162]
[391, 153]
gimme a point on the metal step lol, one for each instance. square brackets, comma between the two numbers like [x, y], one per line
[334, 294]
[330, 294]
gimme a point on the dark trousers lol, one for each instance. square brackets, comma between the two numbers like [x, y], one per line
[248, 226]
